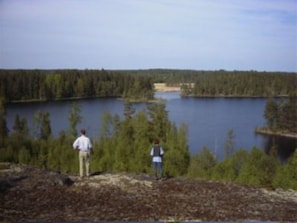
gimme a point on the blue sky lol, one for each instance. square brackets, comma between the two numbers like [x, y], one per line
[139, 34]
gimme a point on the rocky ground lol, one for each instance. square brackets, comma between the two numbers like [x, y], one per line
[29, 194]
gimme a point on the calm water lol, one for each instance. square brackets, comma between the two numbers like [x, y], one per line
[208, 119]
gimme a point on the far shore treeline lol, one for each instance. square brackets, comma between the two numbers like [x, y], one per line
[34, 85]
[124, 143]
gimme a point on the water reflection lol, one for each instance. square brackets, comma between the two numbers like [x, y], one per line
[285, 146]
[167, 95]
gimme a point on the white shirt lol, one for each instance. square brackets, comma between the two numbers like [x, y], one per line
[82, 143]
[157, 159]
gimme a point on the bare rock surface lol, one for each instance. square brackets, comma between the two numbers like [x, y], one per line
[29, 194]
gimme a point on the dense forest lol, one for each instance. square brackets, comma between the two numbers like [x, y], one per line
[24, 85]
[246, 84]
[124, 144]
[225, 83]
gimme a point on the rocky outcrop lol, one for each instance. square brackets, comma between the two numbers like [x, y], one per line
[31, 194]
[20, 175]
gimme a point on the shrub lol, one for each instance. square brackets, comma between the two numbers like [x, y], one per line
[224, 171]
[201, 165]
[286, 175]
[229, 169]
[259, 169]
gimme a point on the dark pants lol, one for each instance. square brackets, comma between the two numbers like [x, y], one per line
[157, 169]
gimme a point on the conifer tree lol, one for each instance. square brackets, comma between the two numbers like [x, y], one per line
[159, 122]
[104, 151]
[46, 129]
[3, 124]
[288, 115]
[142, 159]
[229, 143]
[286, 174]
[24, 156]
[74, 119]
[258, 169]
[176, 158]
[271, 113]
[20, 126]
[202, 164]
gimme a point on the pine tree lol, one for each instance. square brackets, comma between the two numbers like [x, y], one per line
[142, 159]
[42, 125]
[177, 157]
[74, 119]
[24, 156]
[271, 113]
[3, 124]
[259, 169]
[202, 164]
[286, 174]
[229, 144]
[288, 115]
[159, 121]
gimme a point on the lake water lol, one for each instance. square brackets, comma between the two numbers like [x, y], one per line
[208, 119]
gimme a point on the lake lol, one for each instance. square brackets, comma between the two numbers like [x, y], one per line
[208, 119]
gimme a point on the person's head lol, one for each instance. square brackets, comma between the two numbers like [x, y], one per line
[156, 141]
[83, 131]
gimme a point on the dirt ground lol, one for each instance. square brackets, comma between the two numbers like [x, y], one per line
[30, 194]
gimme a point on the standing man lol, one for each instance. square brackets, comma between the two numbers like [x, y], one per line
[157, 154]
[83, 144]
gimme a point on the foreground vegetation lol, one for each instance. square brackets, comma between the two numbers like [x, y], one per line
[124, 146]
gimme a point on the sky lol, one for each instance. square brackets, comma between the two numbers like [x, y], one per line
[146, 34]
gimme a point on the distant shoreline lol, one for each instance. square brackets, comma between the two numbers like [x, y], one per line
[159, 87]
[164, 88]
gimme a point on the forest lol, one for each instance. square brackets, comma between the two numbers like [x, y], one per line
[281, 115]
[246, 85]
[34, 85]
[223, 83]
[124, 144]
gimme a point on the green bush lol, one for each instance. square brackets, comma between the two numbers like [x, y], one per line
[202, 164]
[224, 171]
[286, 175]
[229, 169]
[258, 169]
[24, 156]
